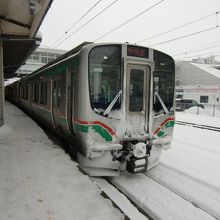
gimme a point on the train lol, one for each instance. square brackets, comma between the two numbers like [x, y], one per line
[114, 102]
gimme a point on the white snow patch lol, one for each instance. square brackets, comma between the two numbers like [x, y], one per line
[192, 117]
[39, 181]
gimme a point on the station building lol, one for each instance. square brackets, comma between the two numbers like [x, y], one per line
[37, 59]
[198, 81]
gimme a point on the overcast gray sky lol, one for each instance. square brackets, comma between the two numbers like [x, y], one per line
[165, 16]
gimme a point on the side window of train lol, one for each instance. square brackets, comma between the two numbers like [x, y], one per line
[21, 92]
[36, 92]
[27, 92]
[32, 86]
[43, 93]
[63, 93]
[54, 93]
[58, 94]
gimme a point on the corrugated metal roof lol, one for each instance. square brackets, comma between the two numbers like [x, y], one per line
[20, 21]
[211, 69]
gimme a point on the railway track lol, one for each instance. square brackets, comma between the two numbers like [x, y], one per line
[150, 199]
[131, 210]
[167, 193]
[197, 192]
[207, 127]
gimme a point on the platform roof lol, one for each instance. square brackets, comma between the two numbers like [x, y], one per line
[19, 24]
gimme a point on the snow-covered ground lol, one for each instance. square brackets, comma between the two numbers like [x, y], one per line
[209, 110]
[189, 170]
[39, 181]
[195, 153]
[205, 116]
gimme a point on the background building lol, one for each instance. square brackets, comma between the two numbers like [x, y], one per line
[207, 60]
[198, 81]
[37, 59]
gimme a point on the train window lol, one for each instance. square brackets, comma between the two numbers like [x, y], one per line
[43, 93]
[136, 90]
[58, 93]
[21, 92]
[26, 92]
[163, 81]
[36, 92]
[105, 76]
[62, 93]
[54, 93]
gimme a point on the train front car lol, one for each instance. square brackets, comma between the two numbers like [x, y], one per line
[125, 113]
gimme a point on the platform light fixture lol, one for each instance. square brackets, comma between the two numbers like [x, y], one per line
[32, 7]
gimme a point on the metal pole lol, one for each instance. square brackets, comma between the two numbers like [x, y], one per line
[1, 84]
[213, 110]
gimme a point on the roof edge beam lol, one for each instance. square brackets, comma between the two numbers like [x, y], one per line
[20, 39]
[15, 22]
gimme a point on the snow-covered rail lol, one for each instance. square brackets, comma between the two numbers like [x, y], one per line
[194, 190]
[207, 127]
[158, 201]
[119, 199]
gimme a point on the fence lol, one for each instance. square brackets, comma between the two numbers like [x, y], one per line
[204, 109]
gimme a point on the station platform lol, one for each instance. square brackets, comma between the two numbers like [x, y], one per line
[38, 180]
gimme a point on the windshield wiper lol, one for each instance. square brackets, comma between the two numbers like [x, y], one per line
[109, 108]
[162, 103]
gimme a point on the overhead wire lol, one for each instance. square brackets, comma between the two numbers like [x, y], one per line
[126, 22]
[72, 26]
[179, 27]
[78, 29]
[205, 45]
[193, 51]
[205, 54]
[188, 35]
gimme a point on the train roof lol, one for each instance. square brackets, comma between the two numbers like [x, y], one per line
[74, 51]
[64, 56]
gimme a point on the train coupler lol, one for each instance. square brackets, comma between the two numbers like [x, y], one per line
[138, 161]
[137, 165]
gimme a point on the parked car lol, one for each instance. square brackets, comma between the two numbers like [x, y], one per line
[182, 104]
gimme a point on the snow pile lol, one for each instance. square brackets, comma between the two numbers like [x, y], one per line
[10, 81]
[201, 119]
[210, 111]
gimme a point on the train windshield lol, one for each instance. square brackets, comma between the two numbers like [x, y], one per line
[164, 78]
[105, 76]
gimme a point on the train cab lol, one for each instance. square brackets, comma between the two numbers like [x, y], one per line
[130, 93]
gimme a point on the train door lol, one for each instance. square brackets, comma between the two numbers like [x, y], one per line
[138, 89]
[69, 98]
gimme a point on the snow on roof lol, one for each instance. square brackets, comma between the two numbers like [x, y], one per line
[208, 68]
[10, 81]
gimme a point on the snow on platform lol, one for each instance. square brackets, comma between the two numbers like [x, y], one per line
[39, 181]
